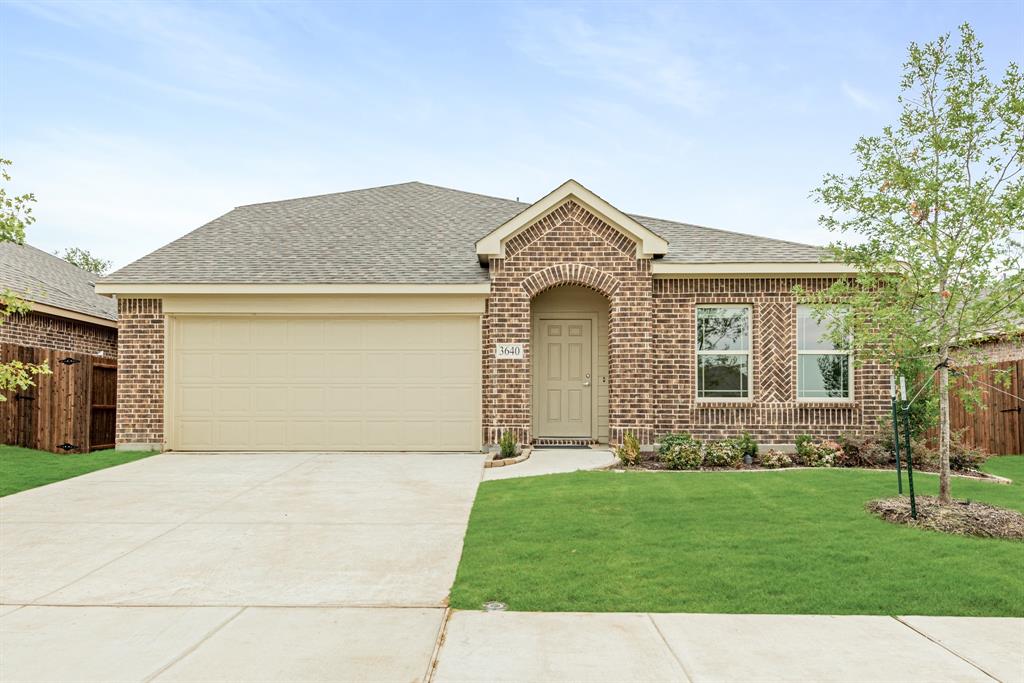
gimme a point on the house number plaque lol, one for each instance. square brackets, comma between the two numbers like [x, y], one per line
[513, 351]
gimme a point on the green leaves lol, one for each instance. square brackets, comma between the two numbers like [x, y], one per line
[15, 210]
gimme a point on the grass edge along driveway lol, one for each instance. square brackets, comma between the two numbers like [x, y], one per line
[25, 468]
[781, 542]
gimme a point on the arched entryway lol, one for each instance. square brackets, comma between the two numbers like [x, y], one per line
[570, 365]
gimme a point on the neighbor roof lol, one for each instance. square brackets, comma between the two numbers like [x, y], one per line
[412, 233]
[43, 278]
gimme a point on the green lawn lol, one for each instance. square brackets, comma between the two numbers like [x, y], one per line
[788, 542]
[24, 468]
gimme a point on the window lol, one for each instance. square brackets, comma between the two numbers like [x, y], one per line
[723, 352]
[823, 371]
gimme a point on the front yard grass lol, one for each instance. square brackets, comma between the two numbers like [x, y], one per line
[781, 542]
[25, 468]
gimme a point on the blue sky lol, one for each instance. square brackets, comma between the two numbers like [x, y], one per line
[135, 123]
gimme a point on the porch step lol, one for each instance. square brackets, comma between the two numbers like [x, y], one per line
[564, 442]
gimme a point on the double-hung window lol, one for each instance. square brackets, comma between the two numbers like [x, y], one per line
[824, 371]
[723, 352]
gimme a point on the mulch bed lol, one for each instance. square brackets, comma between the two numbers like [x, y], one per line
[964, 517]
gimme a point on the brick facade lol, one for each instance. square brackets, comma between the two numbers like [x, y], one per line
[773, 416]
[569, 246]
[652, 330]
[995, 351]
[140, 381]
[62, 334]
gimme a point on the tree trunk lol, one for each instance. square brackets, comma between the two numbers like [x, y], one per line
[944, 495]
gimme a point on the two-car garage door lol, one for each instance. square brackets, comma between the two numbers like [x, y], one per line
[314, 383]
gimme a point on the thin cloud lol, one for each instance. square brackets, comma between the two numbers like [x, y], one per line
[639, 59]
[860, 98]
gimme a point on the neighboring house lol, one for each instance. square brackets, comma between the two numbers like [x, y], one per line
[67, 314]
[415, 317]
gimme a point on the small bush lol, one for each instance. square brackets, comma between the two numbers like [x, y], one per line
[681, 452]
[804, 444]
[873, 449]
[670, 441]
[723, 454]
[507, 445]
[747, 445]
[774, 459]
[629, 451]
[811, 453]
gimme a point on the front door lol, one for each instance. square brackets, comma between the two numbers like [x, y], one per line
[565, 377]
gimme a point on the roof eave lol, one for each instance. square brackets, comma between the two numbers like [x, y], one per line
[663, 269]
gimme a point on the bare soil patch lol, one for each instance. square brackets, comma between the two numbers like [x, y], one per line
[963, 517]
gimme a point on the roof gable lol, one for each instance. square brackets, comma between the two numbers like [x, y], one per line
[649, 243]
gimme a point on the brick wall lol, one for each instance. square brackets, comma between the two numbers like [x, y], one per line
[569, 246]
[774, 415]
[140, 373]
[995, 351]
[62, 334]
[652, 360]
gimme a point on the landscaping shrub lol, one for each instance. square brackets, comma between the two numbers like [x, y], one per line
[629, 451]
[507, 445]
[670, 441]
[681, 452]
[774, 459]
[723, 454]
[811, 453]
[747, 445]
[873, 449]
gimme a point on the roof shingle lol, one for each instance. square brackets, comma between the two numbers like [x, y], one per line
[412, 233]
[44, 278]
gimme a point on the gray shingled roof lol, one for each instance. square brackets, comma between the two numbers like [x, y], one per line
[37, 276]
[409, 233]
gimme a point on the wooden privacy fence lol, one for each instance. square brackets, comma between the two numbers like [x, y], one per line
[70, 411]
[998, 427]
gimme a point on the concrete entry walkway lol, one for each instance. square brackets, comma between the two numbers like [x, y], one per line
[555, 461]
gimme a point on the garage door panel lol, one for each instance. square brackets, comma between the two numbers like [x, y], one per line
[196, 365]
[232, 366]
[305, 334]
[326, 384]
[381, 365]
[344, 366]
[233, 400]
[309, 366]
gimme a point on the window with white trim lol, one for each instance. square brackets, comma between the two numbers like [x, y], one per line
[723, 352]
[824, 372]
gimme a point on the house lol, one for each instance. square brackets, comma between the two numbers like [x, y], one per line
[415, 317]
[67, 314]
[73, 331]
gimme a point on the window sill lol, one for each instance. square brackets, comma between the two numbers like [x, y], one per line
[812, 403]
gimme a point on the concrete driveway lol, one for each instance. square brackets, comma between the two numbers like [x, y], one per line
[209, 566]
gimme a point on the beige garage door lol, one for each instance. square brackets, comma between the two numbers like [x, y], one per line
[242, 383]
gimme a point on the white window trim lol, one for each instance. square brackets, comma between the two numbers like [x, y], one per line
[821, 352]
[749, 353]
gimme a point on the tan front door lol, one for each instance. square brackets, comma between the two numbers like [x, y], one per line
[565, 378]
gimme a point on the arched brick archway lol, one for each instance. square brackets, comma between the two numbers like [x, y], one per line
[569, 247]
[571, 274]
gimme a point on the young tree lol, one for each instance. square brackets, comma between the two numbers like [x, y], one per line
[937, 206]
[85, 260]
[15, 216]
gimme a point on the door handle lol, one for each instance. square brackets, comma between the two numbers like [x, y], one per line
[587, 383]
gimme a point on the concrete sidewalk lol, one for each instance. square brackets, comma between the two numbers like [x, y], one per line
[524, 646]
